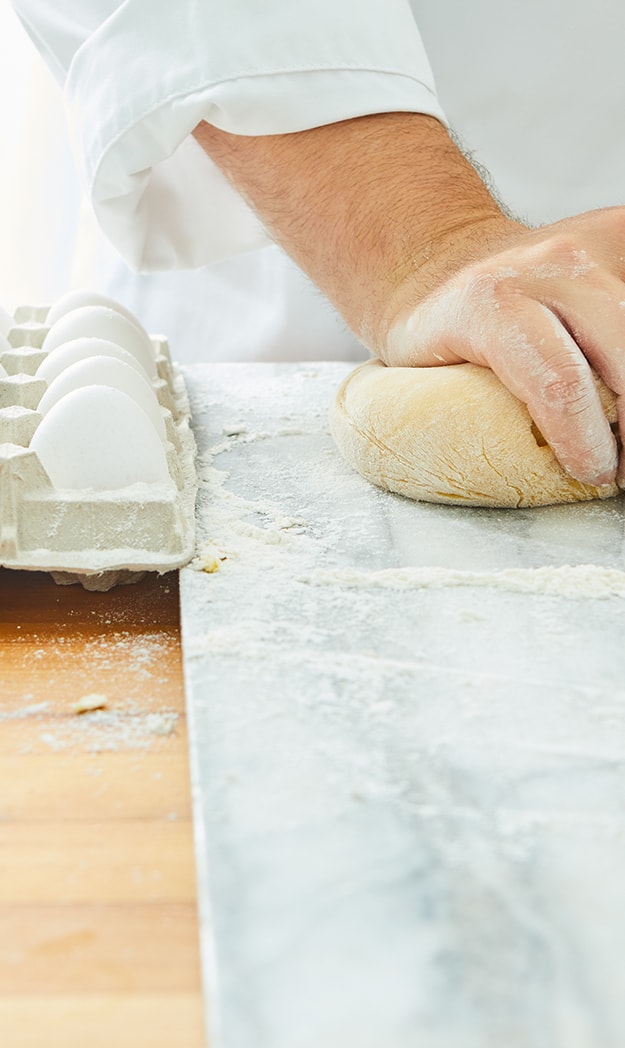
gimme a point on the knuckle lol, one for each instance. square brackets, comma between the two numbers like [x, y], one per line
[566, 385]
[488, 286]
[562, 250]
[616, 220]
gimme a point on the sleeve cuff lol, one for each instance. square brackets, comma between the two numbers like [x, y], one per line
[140, 84]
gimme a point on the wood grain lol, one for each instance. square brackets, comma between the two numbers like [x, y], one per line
[98, 922]
[101, 1020]
[94, 861]
[138, 947]
[105, 785]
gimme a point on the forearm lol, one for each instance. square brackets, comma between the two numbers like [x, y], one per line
[395, 226]
[363, 206]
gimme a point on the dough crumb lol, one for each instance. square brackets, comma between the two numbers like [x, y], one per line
[89, 703]
[235, 429]
[209, 560]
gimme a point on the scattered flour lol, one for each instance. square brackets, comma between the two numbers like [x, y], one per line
[239, 534]
[141, 714]
[226, 534]
[112, 730]
[102, 730]
[35, 709]
[291, 583]
[570, 581]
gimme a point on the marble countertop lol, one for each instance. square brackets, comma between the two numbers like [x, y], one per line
[408, 740]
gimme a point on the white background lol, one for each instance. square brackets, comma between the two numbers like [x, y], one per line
[39, 196]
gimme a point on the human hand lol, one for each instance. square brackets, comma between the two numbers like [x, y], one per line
[395, 226]
[544, 312]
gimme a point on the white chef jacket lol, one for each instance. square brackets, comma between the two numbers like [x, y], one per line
[537, 92]
[140, 75]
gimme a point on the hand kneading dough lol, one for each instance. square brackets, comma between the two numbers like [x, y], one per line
[451, 434]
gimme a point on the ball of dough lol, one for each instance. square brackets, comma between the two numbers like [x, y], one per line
[451, 434]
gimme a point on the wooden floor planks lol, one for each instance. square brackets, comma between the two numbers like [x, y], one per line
[98, 922]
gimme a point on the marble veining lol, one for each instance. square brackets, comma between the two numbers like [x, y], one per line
[408, 801]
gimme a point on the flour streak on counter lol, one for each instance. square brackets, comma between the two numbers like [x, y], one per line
[407, 727]
[578, 582]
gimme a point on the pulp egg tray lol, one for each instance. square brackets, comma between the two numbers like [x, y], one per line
[97, 470]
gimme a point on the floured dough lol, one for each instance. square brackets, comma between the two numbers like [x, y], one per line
[453, 435]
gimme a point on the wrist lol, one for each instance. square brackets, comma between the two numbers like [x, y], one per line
[452, 248]
[373, 208]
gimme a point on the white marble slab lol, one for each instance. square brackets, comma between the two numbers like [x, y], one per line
[409, 787]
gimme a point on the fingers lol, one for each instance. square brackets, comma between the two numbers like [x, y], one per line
[541, 319]
[535, 357]
[496, 323]
[538, 360]
[544, 314]
[592, 310]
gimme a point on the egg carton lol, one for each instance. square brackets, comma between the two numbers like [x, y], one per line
[96, 487]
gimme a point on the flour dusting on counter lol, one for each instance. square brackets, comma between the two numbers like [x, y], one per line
[572, 581]
[406, 727]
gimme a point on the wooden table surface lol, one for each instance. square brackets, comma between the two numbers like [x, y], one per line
[98, 922]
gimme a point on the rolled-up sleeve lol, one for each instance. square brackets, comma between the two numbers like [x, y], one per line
[139, 76]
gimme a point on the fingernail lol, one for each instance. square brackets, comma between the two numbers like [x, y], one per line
[609, 474]
[606, 480]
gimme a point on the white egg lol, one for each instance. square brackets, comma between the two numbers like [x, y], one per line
[77, 299]
[102, 322]
[81, 349]
[6, 322]
[99, 438]
[105, 371]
